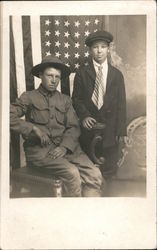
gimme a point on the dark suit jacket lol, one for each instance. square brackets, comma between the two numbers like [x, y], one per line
[113, 111]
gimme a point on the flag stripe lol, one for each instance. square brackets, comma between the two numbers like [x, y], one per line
[19, 57]
[28, 61]
[72, 75]
[13, 80]
[36, 44]
[14, 138]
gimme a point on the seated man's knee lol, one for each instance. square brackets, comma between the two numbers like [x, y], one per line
[73, 182]
[74, 174]
[95, 177]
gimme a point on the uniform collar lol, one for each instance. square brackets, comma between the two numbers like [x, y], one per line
[44, 91]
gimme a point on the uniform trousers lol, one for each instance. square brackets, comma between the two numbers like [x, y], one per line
[79, 175]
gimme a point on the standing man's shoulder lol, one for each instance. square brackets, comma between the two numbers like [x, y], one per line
[115, 70]
[117, 74]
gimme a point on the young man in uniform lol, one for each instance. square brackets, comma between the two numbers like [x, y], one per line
[99, 96]
[51, 132]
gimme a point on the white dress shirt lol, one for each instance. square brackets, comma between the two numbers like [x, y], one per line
[104, 70]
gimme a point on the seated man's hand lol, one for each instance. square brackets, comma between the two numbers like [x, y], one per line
[58, 152]
[88, 122]
[44, 139]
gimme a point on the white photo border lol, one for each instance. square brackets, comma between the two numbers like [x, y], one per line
[95, 223]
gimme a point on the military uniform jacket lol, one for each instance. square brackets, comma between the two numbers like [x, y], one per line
[52, 113]
[113, 111]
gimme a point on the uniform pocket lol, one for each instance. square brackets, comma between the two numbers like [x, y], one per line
[39, 114]
[60, 115]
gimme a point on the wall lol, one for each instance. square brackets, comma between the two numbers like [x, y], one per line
[129, 55]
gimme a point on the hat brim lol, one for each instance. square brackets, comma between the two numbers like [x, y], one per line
[65, 71]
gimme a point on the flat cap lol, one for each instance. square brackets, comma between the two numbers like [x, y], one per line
[99, 35]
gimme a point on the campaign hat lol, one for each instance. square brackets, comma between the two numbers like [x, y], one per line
[100, 35]
[51, 61]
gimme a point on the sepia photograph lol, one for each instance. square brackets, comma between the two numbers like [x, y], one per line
[90, 141]
[78, 121]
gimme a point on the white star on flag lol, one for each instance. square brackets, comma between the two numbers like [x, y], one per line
[77, 65]
[77, 55]
[57, 44]
[86, 63]
[66, 34]
[86, 54]
[95, 30]
[47, 33]
[96, 21]
[77, 45]
[66, 45]
[66, 23]
[77, 24]
[57, 33]
[57, 22]
[48, 53]
[77, 34]
[87, 23]
[66, 55]
[47, 22]
[57, 54]
[48, 43]
[87, 33]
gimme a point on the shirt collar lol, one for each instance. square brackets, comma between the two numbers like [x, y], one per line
[104, 64]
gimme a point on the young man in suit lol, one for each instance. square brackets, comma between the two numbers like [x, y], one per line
[99, 96]
[51, 132]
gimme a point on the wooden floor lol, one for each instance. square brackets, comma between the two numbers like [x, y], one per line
[121, 188]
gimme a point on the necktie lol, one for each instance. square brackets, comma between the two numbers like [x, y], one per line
[98, 93]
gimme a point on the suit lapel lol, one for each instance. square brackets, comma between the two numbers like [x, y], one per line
[91, 71]
[110, 78]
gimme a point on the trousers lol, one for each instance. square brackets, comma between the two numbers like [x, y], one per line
[78, 180]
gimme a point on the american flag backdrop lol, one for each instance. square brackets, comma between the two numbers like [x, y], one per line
[34, 37]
